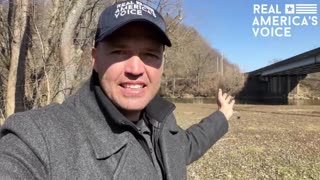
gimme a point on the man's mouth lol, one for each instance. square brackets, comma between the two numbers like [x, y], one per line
[133, 89]
[132, 86]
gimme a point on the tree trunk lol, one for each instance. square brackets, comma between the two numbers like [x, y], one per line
[48, 44]
[1, 103]
[18, 50]
[68, 51]
[20, 84]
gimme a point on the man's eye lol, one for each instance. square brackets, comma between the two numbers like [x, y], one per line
[118, 52]
[151, 56]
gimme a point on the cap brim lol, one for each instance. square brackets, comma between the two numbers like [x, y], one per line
[164, 38]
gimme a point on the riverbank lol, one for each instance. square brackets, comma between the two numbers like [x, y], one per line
[263, 142]
[271, 101]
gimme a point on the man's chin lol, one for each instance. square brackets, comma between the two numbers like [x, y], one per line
[133, 105]
[134, 108]
[132, 111]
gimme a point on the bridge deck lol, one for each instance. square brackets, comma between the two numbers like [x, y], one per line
[305, 63]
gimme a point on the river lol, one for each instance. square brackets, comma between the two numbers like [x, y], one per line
[266, 102]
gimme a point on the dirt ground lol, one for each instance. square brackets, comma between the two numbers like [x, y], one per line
[263, 142]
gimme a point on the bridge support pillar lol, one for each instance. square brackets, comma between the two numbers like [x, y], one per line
[273, 84]
[288, 84]
[280, 90]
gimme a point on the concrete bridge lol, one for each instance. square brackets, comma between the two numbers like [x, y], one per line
[281, 79]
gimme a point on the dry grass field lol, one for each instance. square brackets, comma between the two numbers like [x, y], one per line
[263, 142]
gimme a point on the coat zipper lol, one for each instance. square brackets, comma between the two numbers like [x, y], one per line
[156, 130]
[141, 140]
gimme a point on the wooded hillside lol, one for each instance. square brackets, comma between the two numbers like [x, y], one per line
[45, 53]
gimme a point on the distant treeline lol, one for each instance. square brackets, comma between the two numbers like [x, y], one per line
[45, 53]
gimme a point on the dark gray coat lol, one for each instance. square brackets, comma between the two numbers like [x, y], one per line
[77, 140]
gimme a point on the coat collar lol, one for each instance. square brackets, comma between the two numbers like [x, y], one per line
[159, 110]
[105, 137]
[105, 126]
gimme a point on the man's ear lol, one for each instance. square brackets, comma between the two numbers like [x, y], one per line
[94, 57]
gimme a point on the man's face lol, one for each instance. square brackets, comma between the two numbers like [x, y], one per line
[130, 65]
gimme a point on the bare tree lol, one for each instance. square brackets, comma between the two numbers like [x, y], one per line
[18, 21]
[59, 54]
[68, 53]
[1, 104]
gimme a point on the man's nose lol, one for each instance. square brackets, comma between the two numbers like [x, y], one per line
[134, 66]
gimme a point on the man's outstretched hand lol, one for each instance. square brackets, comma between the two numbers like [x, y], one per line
[225, 103]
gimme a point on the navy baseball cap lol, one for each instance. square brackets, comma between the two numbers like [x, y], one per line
[120, 14]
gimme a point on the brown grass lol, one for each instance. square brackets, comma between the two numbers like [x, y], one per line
[263, 142]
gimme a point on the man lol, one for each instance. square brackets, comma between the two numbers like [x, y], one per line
[115, 126]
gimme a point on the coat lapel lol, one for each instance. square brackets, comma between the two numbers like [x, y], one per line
[172, 150]
[119, 155]
[170, 139]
